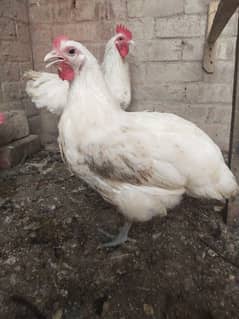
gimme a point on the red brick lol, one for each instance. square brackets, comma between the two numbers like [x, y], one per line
[14, 127]
[12, 154]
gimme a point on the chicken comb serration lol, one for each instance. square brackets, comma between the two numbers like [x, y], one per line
[120, 28]
[57, 41]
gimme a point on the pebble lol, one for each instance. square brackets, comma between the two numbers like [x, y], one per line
[11, 260]
[148, 309]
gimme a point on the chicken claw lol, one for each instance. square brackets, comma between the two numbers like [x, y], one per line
[120, 238]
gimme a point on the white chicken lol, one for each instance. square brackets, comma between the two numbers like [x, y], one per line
[141, 162]
[116, 68]
[51, 90]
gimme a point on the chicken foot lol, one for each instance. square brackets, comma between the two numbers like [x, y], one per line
[120, 238]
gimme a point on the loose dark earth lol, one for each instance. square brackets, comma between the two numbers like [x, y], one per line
[185, 266]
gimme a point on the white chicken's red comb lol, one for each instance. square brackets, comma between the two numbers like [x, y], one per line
[120, 28]
[57, 41]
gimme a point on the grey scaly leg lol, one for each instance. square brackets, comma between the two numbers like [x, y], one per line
[121, 238]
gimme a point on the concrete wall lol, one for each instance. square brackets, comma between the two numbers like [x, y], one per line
[15, 58]
[166, 63]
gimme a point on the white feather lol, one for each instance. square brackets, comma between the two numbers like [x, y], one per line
[47, 90]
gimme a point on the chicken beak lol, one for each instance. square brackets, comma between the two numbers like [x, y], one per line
[132, 42]
[52, 58]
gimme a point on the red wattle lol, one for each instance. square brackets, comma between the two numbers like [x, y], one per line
[123, 49]
[66, 72]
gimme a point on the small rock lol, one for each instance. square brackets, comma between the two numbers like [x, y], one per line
[2, 201]
[211, 253]
[32, 226]
[52, 207]
[216, 229]
[11, 260]
[72, 311]
[58, 314]
[148, 309]
[13, 279]
[64, 292]
[17, 268]
[156, 236]
[33, 235]
[218, 208]
[68, 220]
[231, 248]
[232, 278]
[106, 307]
[8, 219]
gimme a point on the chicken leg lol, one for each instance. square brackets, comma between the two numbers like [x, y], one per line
[120, 238]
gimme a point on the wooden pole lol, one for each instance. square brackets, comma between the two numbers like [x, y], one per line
[209, 48]
[225, 10]
[232, 217]
[219, 14]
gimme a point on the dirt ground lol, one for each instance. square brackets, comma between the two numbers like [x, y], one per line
[184, 266]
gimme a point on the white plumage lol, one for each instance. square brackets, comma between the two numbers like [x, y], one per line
[141, 162]
[116, 74]
[47, 90]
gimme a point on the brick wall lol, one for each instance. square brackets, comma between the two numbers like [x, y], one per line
[15, 58]
[166, 63]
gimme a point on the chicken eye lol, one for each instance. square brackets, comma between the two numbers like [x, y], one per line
[121, 38]
[72, 51]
